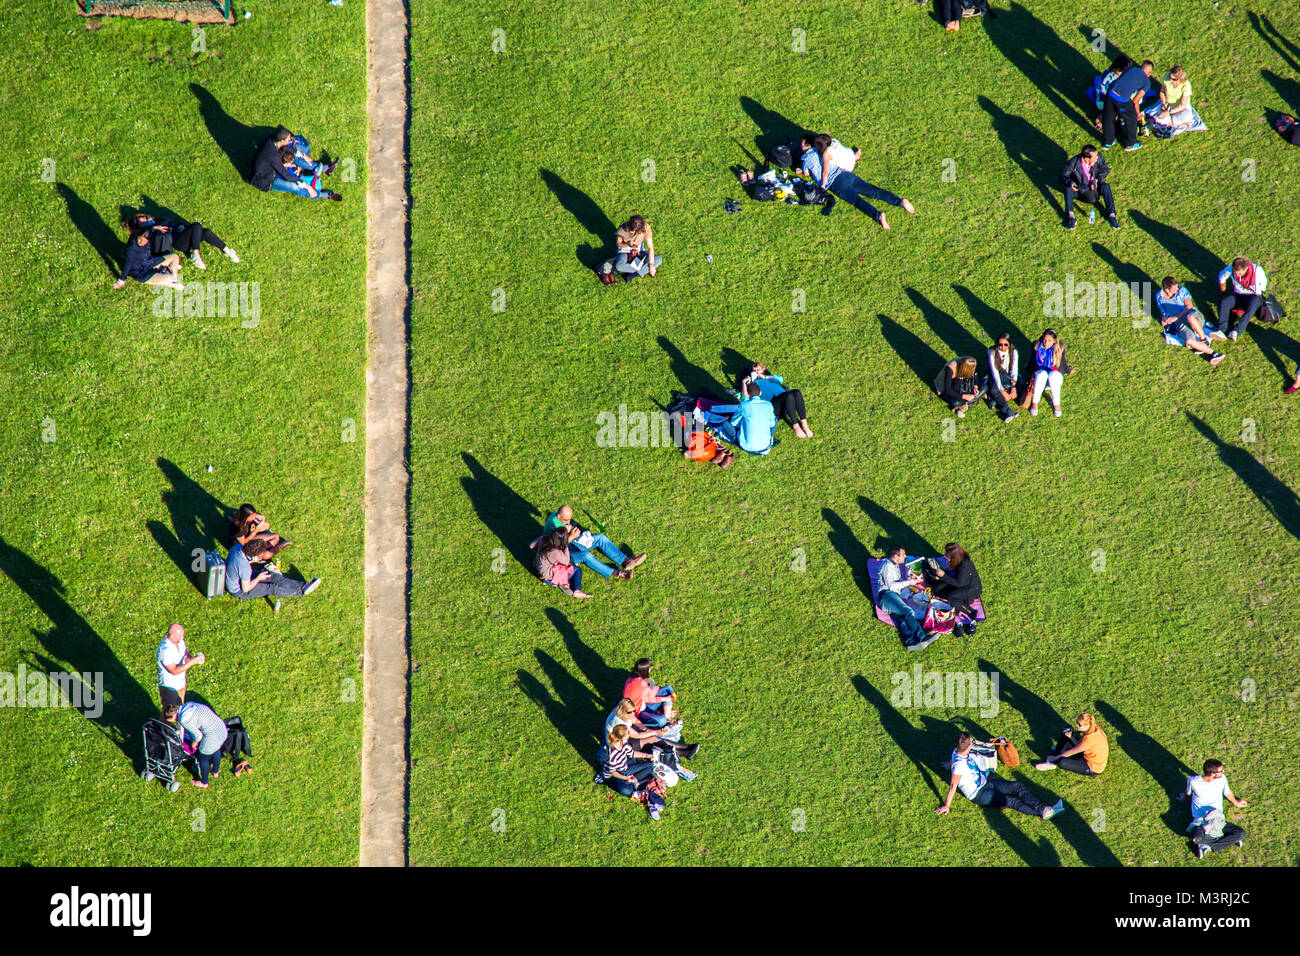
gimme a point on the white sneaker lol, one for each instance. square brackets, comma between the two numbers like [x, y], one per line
[310, 586]
[231, 254]
[197, 260]
[1056, 410]
[1233, 335]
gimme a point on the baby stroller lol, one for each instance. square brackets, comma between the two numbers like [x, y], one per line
[163, 752]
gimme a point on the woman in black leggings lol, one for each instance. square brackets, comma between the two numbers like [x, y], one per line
[185, 237]
[786, 402]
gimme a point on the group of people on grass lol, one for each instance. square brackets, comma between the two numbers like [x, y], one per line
[642, 748]
[564, 548]
[955, 583]
[251, 569]
[960, 383]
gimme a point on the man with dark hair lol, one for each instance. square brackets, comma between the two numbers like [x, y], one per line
[1249, 283]
[241, 582]
[584, 546]
[1124, 99]
[1209, 829]
[972, 773]
[269, 173]
[891, 579]
[1179, 318]
[1084, 178]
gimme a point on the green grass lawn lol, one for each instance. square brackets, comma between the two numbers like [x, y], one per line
[97, 525]
[1182, 475]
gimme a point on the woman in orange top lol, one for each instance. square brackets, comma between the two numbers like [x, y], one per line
[1082, 750]
[654, 704]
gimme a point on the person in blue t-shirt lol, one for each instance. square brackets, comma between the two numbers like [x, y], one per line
[831, 167]
[751, 424]
[1179, 318]
[1124, 100]
[787, 403]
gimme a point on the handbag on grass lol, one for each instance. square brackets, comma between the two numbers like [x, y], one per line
[1008, 756]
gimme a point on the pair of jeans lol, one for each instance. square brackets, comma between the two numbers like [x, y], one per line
[948, 10]
[302, 155]
[1102, 193]
[1113, 108]
[855, 191]
[298, 189]
[606, 547]
[998, 792]
[652, 715]
[278, 585]
[624, 263]
[909, 628]
[207, 763]
[1052, 381]
[1231, 834]
[1076, 764]
[642, 770]
[1249, 304]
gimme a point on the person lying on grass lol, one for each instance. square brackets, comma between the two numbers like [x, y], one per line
[958, 384]
[1082, 749]
[654, 704]
[584, 546]
[1004, 372]
[636, 249]
[645, 740]
[787, 403]
[972, 769]
[242, 583]
[555, 566]
[1209, 829]
[166, 236]
[1179, 318]
[959, 584]
[142, 265]
[821, 158]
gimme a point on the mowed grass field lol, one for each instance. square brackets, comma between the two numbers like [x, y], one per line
[1137, 554]
[113, 413]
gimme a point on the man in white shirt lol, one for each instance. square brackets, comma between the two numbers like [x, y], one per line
[1209, 829]
[174, 659]
[892, 578]
[1249, 283]
[972, 774]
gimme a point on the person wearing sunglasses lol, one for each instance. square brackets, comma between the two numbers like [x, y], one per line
[1207, 790]
[1004, 372]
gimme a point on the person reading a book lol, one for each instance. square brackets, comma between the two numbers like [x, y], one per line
[584, 546]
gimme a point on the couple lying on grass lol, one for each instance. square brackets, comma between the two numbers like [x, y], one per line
[564, 547]
[750, 423]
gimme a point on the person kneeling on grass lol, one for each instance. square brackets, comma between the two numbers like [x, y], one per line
[958, 385]
[1084, 178]
[142, 265]
[206, 730]
[555, 566]
[1050, 369]
[892, 578]
[242, 583]
[1209, 829]
[972, 773]
[1180, 319]
[584, 546]
[1082, 749]
[643, 740]
[787, 403]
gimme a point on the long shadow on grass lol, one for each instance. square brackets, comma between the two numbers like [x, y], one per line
[1272, 493]
[1279, 348]
[1188, 254]
[952, 332]
[1126, 272]
[735, 367]
[507, 515]
[237, 140]
[589, 215]
[773, 128]
[1280, 44]
[1037, 155]
[100, 235]
[847, 545]
[894, 530]
[1169, 773]
[199, 521]
[1072, 823]
[1287, 88]
[915, 353]
[920, 745]
[72, 641]
[607, 681]
[993, 322]
[1060, 71]
[695, 380]
[573, 708]
[1090, 34]
[1045, 725]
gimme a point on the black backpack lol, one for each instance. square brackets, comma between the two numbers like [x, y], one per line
[810, 194]
[785, 155]
[763, 191]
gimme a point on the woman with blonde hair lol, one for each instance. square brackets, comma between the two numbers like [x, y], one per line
[1082, 749]
[624, 773]
[1176, 100]
[644, 740]
[958, 384]
[636, 249]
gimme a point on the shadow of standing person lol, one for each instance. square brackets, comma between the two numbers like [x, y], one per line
[1169, 773]
[506, 514]
[108, 245]
[1038, 156]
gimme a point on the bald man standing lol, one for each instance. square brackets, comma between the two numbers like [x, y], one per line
[174, 659]
[582, 543]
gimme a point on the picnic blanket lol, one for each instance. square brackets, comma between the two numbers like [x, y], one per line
[914, 596]
[1165, 132]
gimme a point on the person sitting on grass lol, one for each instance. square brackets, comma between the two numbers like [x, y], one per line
[958, 384]
[643, 740]
[1209, 828]
[654, 704]
[1179, 318]
[1249, 283]
[959, 584]
[1050, 369]
[242, 583]
[751, 424]
[625, 774]
[972, 769]
[248, 523]
[269, 174]
[584, 546]
[892, 578]
[1084, 178]
[207, 732]
[142, 265]
[1175, 100]
[555, 566]
[1004, 372]
[787, 403]
[1082, 749]
[636, 249]
[950, 12]
[167, 236]
[821, 160]
[1124, 100]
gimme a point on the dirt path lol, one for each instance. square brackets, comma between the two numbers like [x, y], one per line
[387, 663]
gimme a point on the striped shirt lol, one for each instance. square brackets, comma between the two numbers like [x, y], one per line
[202, 721]
[616, 759]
